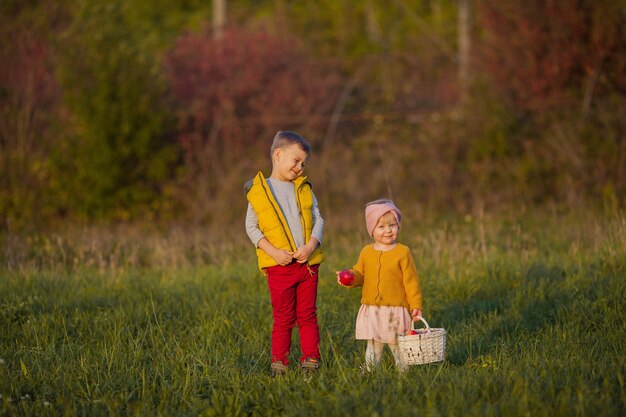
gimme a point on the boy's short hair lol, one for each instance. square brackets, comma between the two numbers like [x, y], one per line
[285, 138]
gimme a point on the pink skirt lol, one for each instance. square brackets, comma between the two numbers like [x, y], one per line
[382, 323]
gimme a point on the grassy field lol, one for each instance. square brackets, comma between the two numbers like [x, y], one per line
[97, 324]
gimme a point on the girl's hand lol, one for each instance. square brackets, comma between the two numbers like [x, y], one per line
[339, 281]
[416, 313]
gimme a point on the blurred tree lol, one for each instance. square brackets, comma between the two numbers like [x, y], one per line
[546, 64]
[546, 55]
[29, 108]
[120, 153]
[464, 47]
[398, 57]
[159, 22]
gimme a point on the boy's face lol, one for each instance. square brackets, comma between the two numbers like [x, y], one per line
[288, 162]
[386, 230]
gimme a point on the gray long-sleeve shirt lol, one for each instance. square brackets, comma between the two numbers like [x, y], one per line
[285, 194]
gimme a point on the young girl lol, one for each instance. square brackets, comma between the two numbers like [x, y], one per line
[387, 272]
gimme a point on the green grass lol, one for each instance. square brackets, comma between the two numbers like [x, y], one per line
[534, 309]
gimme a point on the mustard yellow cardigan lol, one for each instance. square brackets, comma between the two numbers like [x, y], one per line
[389, 278]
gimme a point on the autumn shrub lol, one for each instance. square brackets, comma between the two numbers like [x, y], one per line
[120, 157]
[29, 107]
[545, 56]
[541, 126]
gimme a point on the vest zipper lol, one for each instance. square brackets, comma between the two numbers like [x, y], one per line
[297, 191]
[304, 228]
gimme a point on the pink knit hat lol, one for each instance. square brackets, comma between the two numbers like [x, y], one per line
[376, 209]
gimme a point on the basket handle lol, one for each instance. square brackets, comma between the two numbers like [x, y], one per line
[423, 321]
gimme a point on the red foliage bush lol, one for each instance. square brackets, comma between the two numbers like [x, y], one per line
[27, 80]
[244, 86]
[533, 49]
[546, 54]
[29, 108]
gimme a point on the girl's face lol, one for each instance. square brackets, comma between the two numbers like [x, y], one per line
[289, 162]
[386, 230]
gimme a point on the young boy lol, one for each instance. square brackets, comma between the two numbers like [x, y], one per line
[284, 223]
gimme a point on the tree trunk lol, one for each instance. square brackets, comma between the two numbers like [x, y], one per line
[219, 17]
[464, 48]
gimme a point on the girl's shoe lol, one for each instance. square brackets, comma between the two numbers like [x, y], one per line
[278, 369]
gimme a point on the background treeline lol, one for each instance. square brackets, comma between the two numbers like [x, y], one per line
[152, 111]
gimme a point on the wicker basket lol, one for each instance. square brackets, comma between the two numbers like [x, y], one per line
[429, 345]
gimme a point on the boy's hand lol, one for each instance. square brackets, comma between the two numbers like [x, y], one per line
[282, 257]
[303, 252]
[416, 313]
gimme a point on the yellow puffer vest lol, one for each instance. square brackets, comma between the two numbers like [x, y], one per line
[272, 222]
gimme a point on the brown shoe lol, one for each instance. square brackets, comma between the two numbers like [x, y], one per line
[278, 369]
[310, 365]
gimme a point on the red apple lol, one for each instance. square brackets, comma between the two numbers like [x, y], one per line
[346, 277]
[411, 332]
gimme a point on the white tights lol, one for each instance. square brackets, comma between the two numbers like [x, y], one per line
[374, 353]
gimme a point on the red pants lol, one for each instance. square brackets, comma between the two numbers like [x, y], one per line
[293, 291]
